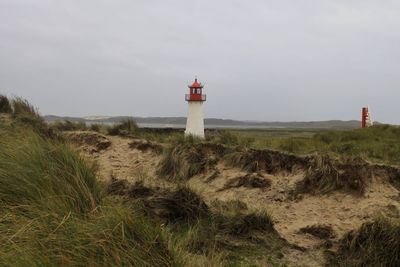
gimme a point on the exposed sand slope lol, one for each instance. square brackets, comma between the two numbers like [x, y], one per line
[343, 212]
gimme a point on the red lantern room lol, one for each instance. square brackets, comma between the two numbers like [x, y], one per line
[196, 92]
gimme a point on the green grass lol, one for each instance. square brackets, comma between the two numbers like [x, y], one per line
[53, 212]
[380, 143]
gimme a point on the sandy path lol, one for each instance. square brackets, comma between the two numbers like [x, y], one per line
[120, 161]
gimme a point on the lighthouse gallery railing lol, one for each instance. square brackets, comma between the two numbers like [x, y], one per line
[194, 97]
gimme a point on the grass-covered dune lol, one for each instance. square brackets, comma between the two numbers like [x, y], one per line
[53, 212]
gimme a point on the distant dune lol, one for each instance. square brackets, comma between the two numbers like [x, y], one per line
[213, 122]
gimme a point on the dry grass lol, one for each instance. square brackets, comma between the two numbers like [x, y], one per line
[53, 211]
[184, 160]
[207, 230]
[5, 106]
[182, 205]
[254, 160]
[233, 218]
[375, 243]
[326, 175]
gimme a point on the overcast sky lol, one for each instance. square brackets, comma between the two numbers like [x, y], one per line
[263, 60]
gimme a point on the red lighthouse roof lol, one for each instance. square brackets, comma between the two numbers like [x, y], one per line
[196, 84]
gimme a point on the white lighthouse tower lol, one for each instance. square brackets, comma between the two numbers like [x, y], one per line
[195, 120]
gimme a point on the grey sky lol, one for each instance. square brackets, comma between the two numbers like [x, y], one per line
[260, 60]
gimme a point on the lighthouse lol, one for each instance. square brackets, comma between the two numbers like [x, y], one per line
[195, 120]
[366, 118]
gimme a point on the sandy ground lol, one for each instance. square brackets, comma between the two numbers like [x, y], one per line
[343, 212]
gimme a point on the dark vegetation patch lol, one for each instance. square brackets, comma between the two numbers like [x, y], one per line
[138, 190]
[127, 127]
[91, 141]
[123, 188]
[254, 160]
[180, 206]
[243, 224]
[183, 160]
[326, 175]
[118, 187]
[146, 146]
[250, 180]
[5, 105]
[183, 206]
[375, 243]
[233, 218]
[319, 230]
